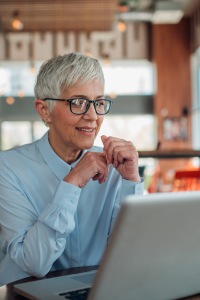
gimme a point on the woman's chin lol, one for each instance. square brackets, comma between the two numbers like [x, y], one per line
[87, 145]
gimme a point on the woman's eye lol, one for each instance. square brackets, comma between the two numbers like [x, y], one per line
[78, 102]
[100, 103]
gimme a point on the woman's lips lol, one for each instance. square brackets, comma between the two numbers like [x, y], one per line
[88, 131]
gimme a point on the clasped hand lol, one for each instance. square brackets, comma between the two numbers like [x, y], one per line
[94, 165]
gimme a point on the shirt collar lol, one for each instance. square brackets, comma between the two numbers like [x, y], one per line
[58, 166]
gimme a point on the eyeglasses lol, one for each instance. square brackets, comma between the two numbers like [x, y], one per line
[80, 106]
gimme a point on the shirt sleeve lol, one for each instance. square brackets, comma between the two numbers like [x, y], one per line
[35, 242]
[126, 188]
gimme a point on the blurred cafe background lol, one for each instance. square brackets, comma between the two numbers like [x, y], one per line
[150, 54]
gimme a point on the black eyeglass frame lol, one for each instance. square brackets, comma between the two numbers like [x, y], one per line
[88, 105]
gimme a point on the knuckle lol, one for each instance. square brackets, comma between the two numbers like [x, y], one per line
[120, 153]
[89, 153]
[115, 151]
[115, 143]
[110, 140]
[133, 149]
[93, 160]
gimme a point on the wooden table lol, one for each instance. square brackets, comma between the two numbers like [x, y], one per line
[174, 153]
[7, 293]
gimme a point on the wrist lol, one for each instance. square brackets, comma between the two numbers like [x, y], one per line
[134, 179]
[71, 180]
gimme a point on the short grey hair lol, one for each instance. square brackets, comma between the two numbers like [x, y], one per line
[62, 72]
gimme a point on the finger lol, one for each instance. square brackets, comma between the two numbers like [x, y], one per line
[113, 145]
[99, 157]
[108, 141]
[110, 150]
[102, 170]
[90, 165]
[97, 177]
[103, 138]
[116, 164]
[104, 178]
[94, 161]
[119, 158]
[127, 155]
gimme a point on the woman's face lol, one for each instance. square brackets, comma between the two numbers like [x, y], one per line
[66, 128]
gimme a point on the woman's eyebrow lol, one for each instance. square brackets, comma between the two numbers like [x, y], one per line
[102, 96]
[85, 97]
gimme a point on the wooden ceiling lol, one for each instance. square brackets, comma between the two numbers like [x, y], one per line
[59, 15]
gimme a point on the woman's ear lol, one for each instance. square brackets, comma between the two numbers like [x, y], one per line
[43, 110]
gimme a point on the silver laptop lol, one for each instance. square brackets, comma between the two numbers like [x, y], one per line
[153, 253]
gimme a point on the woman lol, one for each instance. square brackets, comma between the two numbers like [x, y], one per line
[59, 196]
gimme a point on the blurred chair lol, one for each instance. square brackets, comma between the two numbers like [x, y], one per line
[154, 183]
[141, 170]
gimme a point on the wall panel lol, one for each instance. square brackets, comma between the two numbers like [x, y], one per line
[171, 55]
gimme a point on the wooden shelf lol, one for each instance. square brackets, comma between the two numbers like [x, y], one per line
[169, 154]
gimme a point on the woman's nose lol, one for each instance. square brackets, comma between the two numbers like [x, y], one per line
[91, 113]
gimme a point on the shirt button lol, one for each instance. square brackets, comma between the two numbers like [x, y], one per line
[73, 201]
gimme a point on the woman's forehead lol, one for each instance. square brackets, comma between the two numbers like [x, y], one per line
[95, 88]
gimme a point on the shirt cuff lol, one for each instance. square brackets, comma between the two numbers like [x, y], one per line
[67, 196]
[130, 188]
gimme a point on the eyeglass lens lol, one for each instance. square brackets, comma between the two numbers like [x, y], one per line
[79, 106]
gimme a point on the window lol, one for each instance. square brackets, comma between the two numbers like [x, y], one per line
[39, 129]
[20, 133]
[195, 63]
[17, 76]
[129, 77]
[140, 130]
[15, 134]
[122, 77]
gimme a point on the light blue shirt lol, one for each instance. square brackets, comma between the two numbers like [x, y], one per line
[49, 224]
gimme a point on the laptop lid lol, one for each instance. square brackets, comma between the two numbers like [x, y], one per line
[154, 251]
